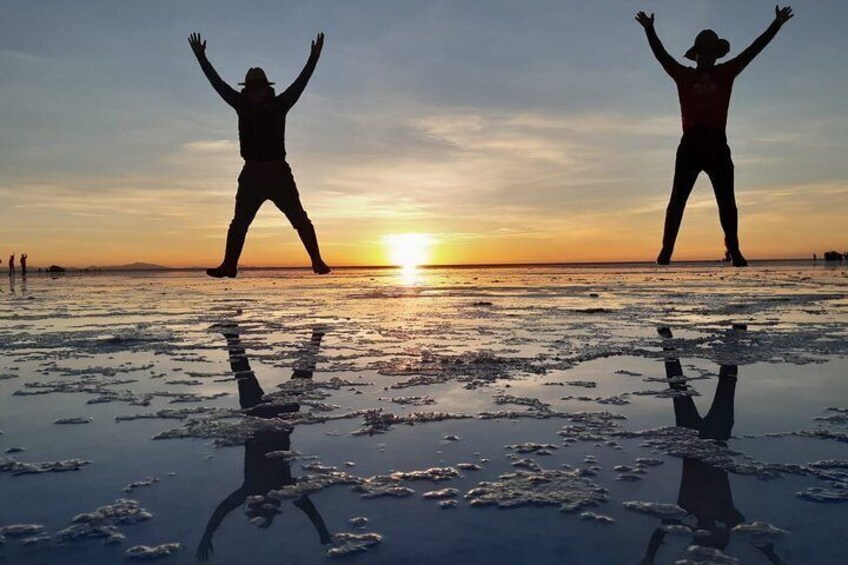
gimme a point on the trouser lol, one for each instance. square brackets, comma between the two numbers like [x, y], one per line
[703, 149]
[718, 423]
[260, 181]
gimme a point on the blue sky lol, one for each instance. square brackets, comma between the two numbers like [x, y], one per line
[509, 130]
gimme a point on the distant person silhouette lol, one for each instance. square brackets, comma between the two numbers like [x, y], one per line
[263, 474]
[704, 94]
[23, 264]
[266, 175]
[12, 265]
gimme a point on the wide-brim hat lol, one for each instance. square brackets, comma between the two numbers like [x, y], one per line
[709, 42]
[255, 75]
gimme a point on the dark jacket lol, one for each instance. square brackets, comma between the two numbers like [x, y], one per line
[262, 127]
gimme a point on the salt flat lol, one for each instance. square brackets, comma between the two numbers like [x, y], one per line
[490, 415]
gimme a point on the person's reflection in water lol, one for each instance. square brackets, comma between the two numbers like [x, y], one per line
[704, 489]
[263, 474]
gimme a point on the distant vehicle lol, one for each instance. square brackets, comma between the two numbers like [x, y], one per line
[833, 256]
[55, 269]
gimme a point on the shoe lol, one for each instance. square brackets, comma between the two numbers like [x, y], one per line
[738, 259]
[664, 258]
[321, 268]
[222, 272]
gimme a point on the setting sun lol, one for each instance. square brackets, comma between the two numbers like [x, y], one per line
[409, 250]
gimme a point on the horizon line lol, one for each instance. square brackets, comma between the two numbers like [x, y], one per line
[152, 267]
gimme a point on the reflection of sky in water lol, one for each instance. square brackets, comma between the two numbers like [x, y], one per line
[472, 338]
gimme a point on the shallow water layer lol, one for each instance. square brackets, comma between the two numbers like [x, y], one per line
[489, 415]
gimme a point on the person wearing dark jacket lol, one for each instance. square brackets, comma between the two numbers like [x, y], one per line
[704, 94]
[266, 175]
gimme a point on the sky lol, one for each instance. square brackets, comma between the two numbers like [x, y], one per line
[506, 131]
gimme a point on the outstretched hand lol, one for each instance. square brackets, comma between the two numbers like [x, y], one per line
[645, 20]
[197, 45]
[318, 44]
[783, 15]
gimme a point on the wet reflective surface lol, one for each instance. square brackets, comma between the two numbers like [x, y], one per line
[552, 415]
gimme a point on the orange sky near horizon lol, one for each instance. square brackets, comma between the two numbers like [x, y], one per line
[548, 141]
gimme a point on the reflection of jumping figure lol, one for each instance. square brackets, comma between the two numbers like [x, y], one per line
[262, 474]
[704, 94]
[266, 174]
[704, 489]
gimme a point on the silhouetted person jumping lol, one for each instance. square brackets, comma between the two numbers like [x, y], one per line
[12, 265]
[266, 174]
[704, 94]
[23, 264]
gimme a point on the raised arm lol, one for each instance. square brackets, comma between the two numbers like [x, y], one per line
[226, 92]
[781, 16]
[668, 62]
[293, 92]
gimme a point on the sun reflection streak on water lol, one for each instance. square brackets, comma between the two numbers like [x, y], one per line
[409, 275]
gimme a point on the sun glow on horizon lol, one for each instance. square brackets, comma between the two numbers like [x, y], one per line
[409, 250]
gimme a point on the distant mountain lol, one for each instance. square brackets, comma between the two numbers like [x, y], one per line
[129, 267]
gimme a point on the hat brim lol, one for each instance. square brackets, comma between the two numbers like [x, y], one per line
[264, 82]
[720, 48]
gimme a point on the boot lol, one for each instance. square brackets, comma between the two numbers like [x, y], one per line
[229, 267]
[310, 242]
[732, 246]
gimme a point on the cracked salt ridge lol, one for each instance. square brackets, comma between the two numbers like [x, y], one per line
[227, 433]
[533, 403]
[685, 443]
[603, 519]
[179, 413]
[21, 530]
[475, 369]
[101, 386]
[290, 455]
[656, 509]
[378, 422]
[568, 489]
[700, 555]
[759, 532]
[390, 485]
[20, 468]
[441, 494]
[410, 400]
[584, 384]
[617, 400]
[532, 447]
[186, 382]
[370, 487]
[104, 522]
[667, 393]
[138, 484]
[358, 521]
[350, 544]
[144, 552]
[79, 420]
